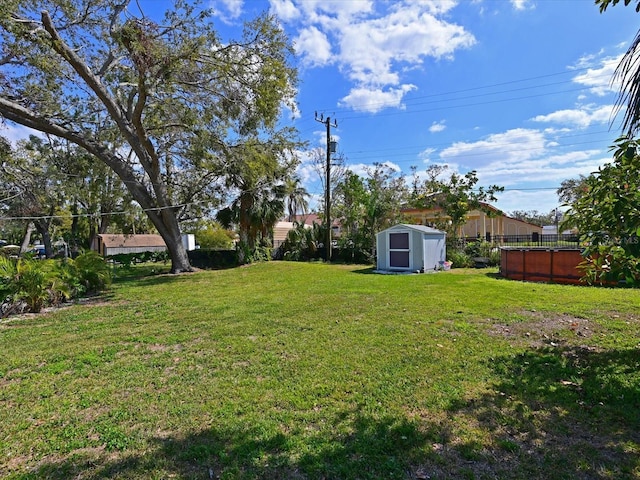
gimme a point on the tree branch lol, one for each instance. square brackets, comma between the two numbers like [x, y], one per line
[23, 116]
[96, 86]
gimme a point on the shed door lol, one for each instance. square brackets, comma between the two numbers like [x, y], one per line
[399, 250]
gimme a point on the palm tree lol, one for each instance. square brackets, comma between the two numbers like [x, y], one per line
[628, 74]
[255, 211]
[296, 197]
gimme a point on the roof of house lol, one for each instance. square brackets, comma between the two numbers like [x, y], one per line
[485, 206]
[110, 240]
[311, 218]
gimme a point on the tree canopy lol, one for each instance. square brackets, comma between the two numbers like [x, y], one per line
[454, 194]
[607, 215]
[366, 205]
[162, 103]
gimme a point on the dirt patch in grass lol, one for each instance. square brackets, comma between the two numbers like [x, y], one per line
[540, 328]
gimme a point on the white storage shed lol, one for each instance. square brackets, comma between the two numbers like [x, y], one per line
[413, 248]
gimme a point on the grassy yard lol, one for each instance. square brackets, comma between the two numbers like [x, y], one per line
[311, 371]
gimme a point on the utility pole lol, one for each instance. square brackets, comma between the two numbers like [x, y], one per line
[327, 191]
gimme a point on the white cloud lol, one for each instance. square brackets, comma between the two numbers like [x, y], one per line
[599, 79]
[374, 47]
[581, 118]
[426, 154]
[543, 200]
[285, 10]
[227, 10]
[314, 47]
[14, 132]
[373, 100]
[513, 145]
[437, 126]
[521, 4]
[520, 157]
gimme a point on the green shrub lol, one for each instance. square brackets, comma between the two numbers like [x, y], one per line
[31, 281]
[300, 244]
[459, 259]
[39, 283]
[480, 248]
[214, 237]
[92, 272]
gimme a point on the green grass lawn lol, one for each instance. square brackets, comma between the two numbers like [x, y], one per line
[311, 371]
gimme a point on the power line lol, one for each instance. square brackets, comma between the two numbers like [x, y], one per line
[409, 101]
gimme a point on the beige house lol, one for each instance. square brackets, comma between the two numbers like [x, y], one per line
[281, 229]
[479, 223]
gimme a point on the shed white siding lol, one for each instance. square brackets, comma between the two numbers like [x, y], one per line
[410, 248]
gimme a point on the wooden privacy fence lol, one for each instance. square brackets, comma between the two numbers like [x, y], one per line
[541, 264]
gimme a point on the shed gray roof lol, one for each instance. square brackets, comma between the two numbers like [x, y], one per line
[419, 228]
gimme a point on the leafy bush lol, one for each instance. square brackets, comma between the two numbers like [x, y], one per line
[480, 248]
[128, 259]
[92, 272]
[214, 237]
[39, 283]
[33, 282]
[459, 259]
[202, 258]
[494, 257]
[300, 244]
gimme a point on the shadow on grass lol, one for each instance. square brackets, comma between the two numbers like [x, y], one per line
[558, 413]
[494, 275]
[365, 271]
[148, 277]
[554, 413]
[374, 449]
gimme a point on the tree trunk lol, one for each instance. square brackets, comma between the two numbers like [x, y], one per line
[166, 223]
[26, 239]
[42, 226]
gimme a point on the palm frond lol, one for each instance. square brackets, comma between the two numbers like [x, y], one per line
[628, 74]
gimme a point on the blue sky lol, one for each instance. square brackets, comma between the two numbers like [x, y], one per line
[519, 90]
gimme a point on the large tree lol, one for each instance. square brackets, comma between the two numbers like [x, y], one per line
[258, 172]
[571, 189]
[535, 217]
[160, 103]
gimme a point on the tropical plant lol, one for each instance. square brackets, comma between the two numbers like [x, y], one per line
[92, 272]
[607, 216]
[257, 172]
[301, 243]
[296, 197]
[628, 75]
[31, 281]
